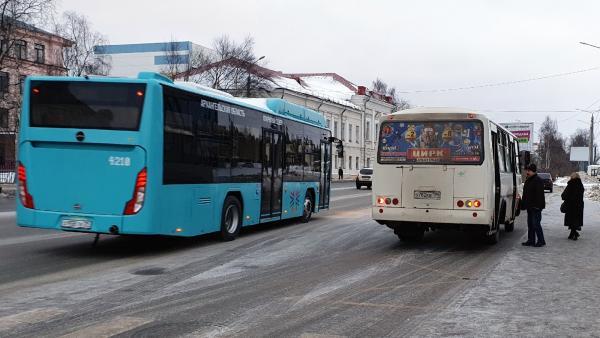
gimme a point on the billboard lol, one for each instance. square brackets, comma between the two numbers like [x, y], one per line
[523, 131]
[580, 154]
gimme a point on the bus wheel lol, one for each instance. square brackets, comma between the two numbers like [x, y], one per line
[411, 235]
[509, 226]
[307, 208]
[231, 218]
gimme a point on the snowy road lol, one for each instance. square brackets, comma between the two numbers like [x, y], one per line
[339, 275]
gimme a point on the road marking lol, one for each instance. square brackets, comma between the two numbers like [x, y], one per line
[35, 238]
[349, 197]
[28, 317]
[109, 328]
[317, 335]
[387, 306]
[345, 188]
[350, 214]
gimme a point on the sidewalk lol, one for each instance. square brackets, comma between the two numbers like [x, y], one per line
[552, 291]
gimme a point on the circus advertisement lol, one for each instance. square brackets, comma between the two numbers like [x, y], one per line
[448, 142]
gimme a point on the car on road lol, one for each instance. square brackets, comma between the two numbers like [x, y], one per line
[364, 178]
[548, 182]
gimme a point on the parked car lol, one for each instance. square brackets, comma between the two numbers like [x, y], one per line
[548, 181]
[364, 177]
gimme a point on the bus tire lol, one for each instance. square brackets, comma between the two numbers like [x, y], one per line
[231, 218]
[307, 207]
[410, 236]
[493, 238]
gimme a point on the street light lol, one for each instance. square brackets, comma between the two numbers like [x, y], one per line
[248, 79]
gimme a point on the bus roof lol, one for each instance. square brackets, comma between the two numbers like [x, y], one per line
[272, 106]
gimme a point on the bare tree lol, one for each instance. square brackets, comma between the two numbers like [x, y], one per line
[379, 86]
[551, 153]
[18, 22]
[17, 18]
[229, 66]
[175, 61]
[79, 59]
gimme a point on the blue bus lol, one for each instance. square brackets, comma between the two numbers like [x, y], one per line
[149, 156]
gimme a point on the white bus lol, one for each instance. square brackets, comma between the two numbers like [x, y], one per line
[445, 168]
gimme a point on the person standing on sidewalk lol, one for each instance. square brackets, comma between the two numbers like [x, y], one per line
[573, 205]
[340, 173]
[534, 202]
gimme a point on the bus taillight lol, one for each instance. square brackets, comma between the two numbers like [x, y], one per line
[25, 197]
[134, 205]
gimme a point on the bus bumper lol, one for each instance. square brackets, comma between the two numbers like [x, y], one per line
[437, 218]
[91, 223]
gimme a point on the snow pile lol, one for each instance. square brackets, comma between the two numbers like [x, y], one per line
[590, 183]
[593, 193]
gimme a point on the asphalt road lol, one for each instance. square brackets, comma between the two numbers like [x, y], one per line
[339, 275]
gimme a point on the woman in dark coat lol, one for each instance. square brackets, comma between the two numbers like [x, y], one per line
[573, 200]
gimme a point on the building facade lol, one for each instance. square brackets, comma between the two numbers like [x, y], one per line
[130, 59]
[29, 51]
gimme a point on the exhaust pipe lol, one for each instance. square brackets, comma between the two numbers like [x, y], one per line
[114, 230]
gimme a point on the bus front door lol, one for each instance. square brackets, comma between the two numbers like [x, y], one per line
[272, 174]
[497, 184]
[325, 175]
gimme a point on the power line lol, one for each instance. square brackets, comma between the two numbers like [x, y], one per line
[496, 84]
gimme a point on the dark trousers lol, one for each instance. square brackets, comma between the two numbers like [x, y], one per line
[534, 226]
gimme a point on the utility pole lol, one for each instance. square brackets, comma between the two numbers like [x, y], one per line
[591, 149]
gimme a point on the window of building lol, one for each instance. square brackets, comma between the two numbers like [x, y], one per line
[3, 118]
[356, 163]
[3, 46]
[343, 159]
[3, 82]
[21, 49]
[368, 131]
[40, 53]
[357, 134]
[343, 136]
[368, 162]
[335, 128]
[328, 122]
[349, 133]
[21, 84]
[350, 162]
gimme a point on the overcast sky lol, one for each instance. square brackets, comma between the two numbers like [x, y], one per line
[412, 45]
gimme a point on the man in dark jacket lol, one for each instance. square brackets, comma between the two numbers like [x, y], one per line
[533, 201]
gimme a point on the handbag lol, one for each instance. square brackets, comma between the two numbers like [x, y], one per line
[563, 207]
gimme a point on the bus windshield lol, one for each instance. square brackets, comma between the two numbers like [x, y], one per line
[88, 105]
[436, 142]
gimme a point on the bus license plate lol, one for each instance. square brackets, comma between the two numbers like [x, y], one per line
[79, 224]
[428, 195]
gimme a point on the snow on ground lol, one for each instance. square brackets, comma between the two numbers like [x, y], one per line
[590, 183]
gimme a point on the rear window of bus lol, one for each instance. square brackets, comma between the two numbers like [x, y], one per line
[436, 142]
[86, 105]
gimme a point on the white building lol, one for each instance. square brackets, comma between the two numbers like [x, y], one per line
[130, 59]
[351, 112]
